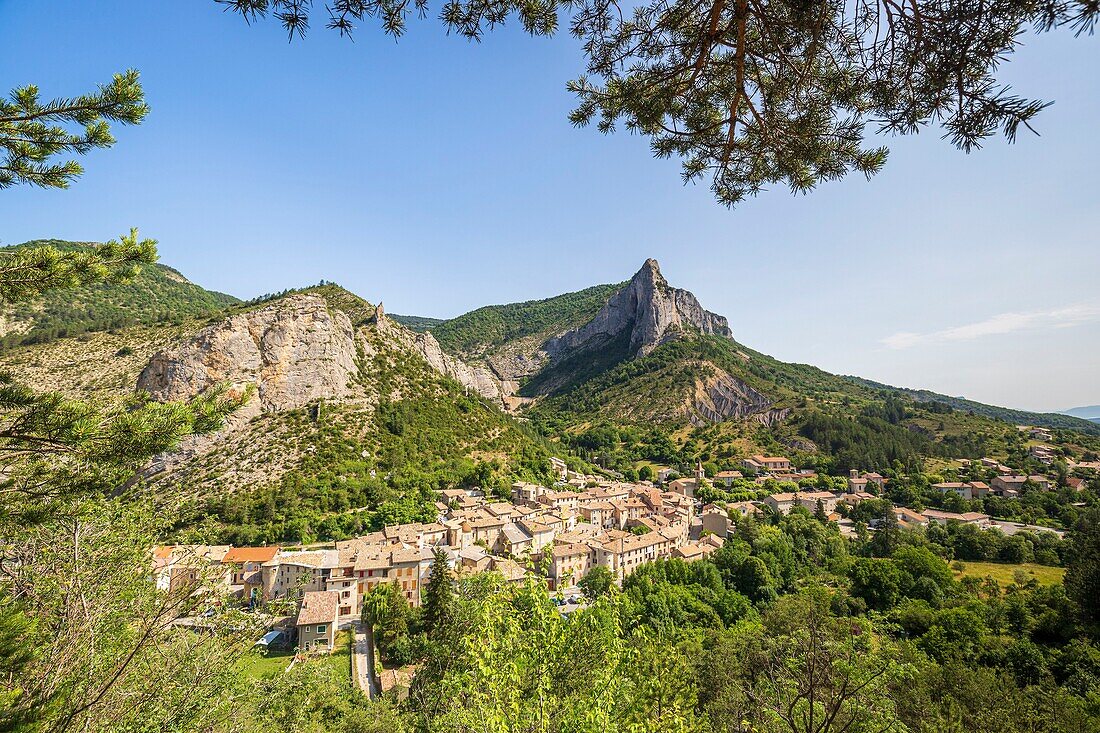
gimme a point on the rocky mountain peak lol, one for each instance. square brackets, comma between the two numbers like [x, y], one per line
[652, 311]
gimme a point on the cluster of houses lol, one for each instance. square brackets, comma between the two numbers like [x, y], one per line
[582, 522]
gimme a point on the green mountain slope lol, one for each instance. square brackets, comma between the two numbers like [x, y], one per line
[159, 294]
[417, 323]
[479, 332]
[690, 395]
[332, 468]
[1016, 417]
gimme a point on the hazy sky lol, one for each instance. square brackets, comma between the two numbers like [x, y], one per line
[439, 175]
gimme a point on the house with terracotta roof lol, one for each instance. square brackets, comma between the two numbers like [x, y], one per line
[512, 571]
[514, 540]
[767, 463]
[474, 559]
[967, 490]
[317, 621]
[941, 517]
[782, 502]
[1001, 485]
[568, 564]
[692, 551]
[909, 519]
[542, 535]
[1077, 484]
[559, 499]
[716, 521]
[858, 482]
[290, 574]
[245, 566]
[177, 568]
[622, 556]
[727, 477]
[599, 513]
[810, 500]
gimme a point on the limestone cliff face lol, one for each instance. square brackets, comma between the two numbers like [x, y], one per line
[650, 309]
[479, 379]
[294, 351]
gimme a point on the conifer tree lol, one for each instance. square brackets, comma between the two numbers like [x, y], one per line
[748, 93]
[888, 536]
[82, 625]
[438, 594]
[33, 132]
[1083, 568]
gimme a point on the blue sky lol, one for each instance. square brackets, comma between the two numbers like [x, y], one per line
[439, 175]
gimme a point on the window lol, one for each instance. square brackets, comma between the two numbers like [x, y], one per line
[321, 628]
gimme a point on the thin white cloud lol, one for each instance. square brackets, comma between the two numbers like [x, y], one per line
[1002, 323]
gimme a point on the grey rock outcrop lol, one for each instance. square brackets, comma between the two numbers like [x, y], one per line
[294, 351]
[724, 397]
[479, 379]
[653, 311]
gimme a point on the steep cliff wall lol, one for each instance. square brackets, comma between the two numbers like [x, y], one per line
[653, 311]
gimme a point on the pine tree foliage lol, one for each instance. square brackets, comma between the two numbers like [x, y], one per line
[1083, 567]
[33, 132]
[748, 93]
[439, 594]
[54, 448]
[27, 272]
[89, 641]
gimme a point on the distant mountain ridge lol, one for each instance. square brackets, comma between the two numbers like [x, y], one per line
[1006, 414]
[1089, 412]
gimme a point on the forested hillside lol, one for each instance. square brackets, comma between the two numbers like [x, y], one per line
[1017, 417]
[476, 333]
[698, 396]
[158, 295]
[328, 469]
[417, 323]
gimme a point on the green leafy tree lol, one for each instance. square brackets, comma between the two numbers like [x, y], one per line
[598, 582]
[877, 581]
[802, 671]
[92, 638]
[33, 132]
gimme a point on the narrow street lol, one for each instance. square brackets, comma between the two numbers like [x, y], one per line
[363, 652]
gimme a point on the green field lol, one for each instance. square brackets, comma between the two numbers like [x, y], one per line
[263, 664]
[340, 659]
[1004, 573]
[260, 664]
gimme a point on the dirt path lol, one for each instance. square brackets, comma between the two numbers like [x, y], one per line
[363, 651]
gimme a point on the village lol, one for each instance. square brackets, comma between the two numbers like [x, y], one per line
[559, 533]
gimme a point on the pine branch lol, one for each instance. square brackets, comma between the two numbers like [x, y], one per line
[32, 132]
